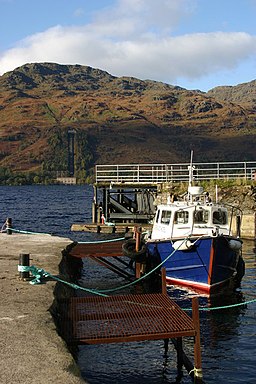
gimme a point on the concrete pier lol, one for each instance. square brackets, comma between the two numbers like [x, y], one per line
[31, 351]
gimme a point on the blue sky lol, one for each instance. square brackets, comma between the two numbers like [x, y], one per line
[196, 44]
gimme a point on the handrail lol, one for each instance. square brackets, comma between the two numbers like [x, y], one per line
[159, 173]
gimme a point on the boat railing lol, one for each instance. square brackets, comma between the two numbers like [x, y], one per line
[161, 173]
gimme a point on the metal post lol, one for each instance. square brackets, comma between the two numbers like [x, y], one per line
[137, 270]
[9, 226]
[24, 262]
[197, 346]
[94, 205]
[166, 347]
[179, 356]
[163, 277]
[137, 238]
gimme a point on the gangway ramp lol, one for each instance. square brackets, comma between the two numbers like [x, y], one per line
[131, 318]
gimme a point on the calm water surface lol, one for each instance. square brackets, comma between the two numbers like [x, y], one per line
[228, 336]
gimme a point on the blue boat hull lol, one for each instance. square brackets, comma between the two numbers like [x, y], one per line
[206, 265]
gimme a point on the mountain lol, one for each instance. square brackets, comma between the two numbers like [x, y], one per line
[118, 120]
[243, 94]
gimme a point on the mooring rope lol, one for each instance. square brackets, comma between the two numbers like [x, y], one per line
[223, 306]
[102, 291]
[101, 241]
[40, 273]
[4, 229]
[29, 232]
[142, 277]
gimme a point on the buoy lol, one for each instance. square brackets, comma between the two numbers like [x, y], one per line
[235, 245]
[182, 245]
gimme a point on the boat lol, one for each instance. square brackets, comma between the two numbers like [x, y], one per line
[192, 239]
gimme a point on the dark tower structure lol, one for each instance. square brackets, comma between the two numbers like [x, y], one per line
[71, 152]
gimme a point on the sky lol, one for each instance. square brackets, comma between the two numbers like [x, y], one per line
[195, 44]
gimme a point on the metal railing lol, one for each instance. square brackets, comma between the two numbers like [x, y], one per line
[160, 173]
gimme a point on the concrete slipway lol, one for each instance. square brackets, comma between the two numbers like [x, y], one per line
[31, 352]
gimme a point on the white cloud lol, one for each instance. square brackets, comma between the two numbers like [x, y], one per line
[131, 18]
[134, 39]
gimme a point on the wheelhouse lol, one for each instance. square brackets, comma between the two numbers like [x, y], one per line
[179, 219]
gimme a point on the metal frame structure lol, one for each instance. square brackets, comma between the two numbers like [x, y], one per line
[160, 173]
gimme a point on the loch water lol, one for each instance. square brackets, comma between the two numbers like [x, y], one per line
[228, 335]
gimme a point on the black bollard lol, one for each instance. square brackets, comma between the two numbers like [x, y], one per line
[9, 226]
[24, 262]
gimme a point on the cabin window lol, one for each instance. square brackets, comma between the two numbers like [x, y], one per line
[166, 217]
[157, 216]
[181, 217]
[201, 216]
[219, 217]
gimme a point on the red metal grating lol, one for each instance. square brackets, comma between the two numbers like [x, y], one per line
[103, 250]
[94, 320]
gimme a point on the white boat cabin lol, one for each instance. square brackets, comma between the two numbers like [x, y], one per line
[195, 215]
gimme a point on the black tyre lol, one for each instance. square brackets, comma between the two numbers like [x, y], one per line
[129, 250]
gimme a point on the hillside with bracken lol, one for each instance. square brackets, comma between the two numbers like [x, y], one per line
[117, 120]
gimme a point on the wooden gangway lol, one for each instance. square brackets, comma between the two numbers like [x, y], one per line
[102, 319]
[101, 253]
[132, 318]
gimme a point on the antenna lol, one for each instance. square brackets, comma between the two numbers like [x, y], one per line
[191, 168]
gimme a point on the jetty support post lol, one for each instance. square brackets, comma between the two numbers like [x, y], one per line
[180, 362]
[24, 262]
[164, 292]
[163, 278]
[105, 202]
[197, 346]
[137, 231]
[95, 205]
[137, 234]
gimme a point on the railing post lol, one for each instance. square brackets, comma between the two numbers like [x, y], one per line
[197, 344]
[173, 172]
[117, 174]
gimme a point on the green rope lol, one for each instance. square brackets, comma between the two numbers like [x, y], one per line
[80, 242]
[28, 232]
[146, 274]
[101, 241]
[223, 307]
[140, 278]
[40, 273]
